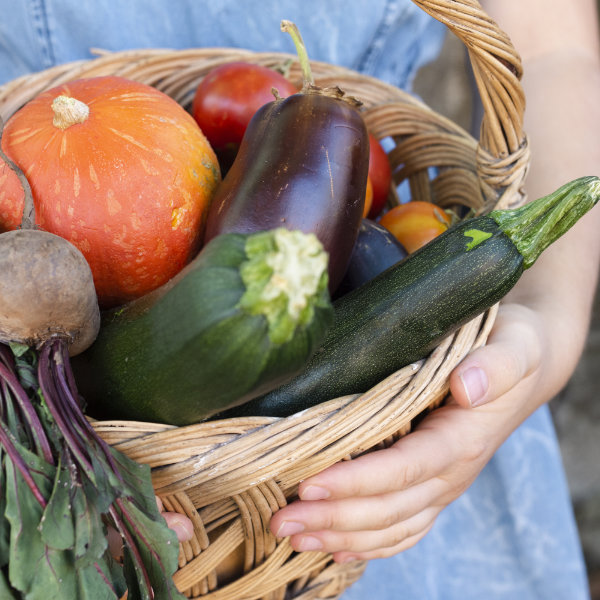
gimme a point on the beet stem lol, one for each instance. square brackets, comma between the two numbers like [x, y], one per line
[63, 375]
[28, 411]
[122, 529]
[20, 464]
[46, 385]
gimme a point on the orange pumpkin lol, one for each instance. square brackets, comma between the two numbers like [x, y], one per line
[120, 170]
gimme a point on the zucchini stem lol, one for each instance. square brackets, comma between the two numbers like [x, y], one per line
[285, 275]
[307, 76]
[534, 226]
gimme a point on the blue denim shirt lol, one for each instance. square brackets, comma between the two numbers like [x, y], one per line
[388, 39]
[512, 535]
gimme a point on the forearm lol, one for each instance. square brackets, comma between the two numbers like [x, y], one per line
[562, 88]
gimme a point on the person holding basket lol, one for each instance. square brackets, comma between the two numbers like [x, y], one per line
[474, 502]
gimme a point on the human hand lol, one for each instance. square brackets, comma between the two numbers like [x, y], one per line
[384, 502]
[180, 524]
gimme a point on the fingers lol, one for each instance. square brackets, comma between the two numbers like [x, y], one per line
[415, 459]
[368, 541]
[384, 501]
[513, 351]
[180, 524]
[374, 502]
[385, 552]
[357, 514]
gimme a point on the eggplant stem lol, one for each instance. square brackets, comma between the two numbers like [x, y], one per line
[307, 76]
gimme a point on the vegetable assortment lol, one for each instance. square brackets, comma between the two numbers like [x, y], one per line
[244, 317]
[227, 98]
[60, 483]
[121, 171]
[135, 278]
[303, 164]
[402, 314]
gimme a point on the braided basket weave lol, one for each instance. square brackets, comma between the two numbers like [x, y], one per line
[230, 476]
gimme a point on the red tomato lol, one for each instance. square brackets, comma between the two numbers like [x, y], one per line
[228, 97]
[416, 223]
[380, 174]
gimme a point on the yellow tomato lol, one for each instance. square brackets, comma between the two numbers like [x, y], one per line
[416, 223]
[368, 198]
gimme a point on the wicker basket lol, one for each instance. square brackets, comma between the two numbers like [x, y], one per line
[230, 476]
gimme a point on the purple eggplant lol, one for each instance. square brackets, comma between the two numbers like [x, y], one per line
[302, 164]
[375, 250]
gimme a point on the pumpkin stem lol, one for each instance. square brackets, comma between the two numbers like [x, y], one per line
[69, 111]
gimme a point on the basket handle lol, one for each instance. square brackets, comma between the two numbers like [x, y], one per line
[503, 152]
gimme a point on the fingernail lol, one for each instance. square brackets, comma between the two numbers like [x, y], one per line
[309, 543]
[475, 383]
[349, 559]
[182, 526]
[289, 528]
[313, 492]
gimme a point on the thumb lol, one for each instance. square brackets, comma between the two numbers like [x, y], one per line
[513, 351]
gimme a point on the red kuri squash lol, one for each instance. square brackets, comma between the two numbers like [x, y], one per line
[120, 170]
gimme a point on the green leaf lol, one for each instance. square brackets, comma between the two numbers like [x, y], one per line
[26, 362]
[159, 558]
[72, 520]
[4, 525]
[90, 532]
[107, 487]
[57, 548]
[6, 592]
[31, 567]
[57, 528]
[92, 585]
[137, 483]
[38, 570]
[18, 349]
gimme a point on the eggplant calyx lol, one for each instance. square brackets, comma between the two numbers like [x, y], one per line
[332, 92]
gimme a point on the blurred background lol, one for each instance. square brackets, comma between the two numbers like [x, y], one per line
[445, 86]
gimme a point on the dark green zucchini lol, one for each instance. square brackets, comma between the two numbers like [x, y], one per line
[242, 318]
[401, 315]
